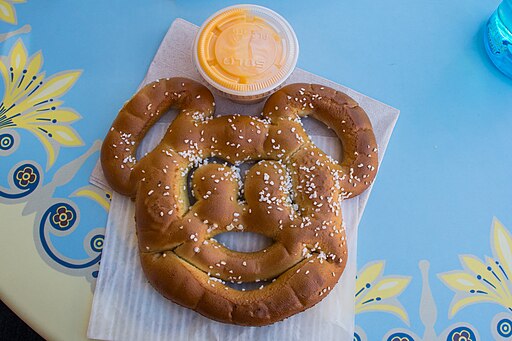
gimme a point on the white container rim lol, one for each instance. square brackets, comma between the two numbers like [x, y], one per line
[292, 56]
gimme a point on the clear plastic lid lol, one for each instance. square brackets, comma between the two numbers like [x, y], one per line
[246, 50]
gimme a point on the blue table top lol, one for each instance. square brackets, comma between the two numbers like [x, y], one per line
[445, 176]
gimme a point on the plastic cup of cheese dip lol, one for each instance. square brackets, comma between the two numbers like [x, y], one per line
[246, 52]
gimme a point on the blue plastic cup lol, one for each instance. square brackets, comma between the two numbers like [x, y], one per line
[498, 37]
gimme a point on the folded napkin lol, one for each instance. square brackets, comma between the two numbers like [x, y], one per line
[126, 307]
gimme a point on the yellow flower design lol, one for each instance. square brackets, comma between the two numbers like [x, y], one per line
[378, 293]
[31, 101]
[484, 281]
[97, 194]
[7, 12]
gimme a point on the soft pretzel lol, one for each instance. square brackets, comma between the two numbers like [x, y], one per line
[291, 195]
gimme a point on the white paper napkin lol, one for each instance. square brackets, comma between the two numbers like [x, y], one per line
[126, 307]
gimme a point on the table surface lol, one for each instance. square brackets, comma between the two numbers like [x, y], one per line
[433, 243]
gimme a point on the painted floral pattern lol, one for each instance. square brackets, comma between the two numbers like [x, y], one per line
[32, 101]
[26, 176]
[378, 293]
[100, 196]
[62, 217]
[462, 336]
[487, 280]
[7, 11]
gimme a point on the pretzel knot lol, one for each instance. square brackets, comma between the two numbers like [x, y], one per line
[291, 195]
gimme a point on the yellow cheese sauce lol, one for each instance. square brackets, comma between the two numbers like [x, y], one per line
[245, 54]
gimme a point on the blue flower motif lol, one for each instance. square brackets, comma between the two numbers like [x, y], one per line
[26, 176]
[461, 334]
[62, 217]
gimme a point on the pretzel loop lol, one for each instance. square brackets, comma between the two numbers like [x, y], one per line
[292, 195]
[138, 115]
[341, 113]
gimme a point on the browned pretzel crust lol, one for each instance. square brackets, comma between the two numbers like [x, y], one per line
[291, 195]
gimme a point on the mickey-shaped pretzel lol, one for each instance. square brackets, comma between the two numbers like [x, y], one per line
[292, 195]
